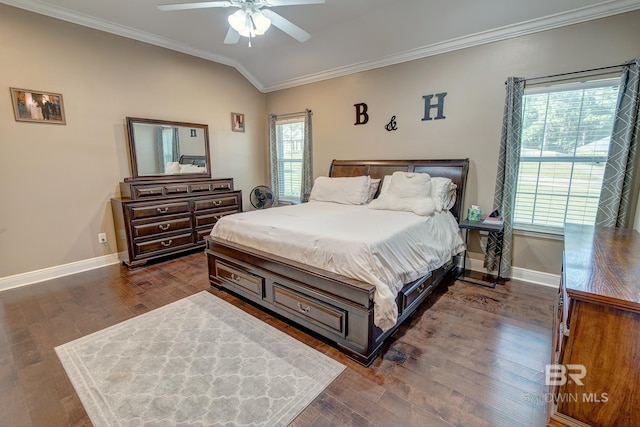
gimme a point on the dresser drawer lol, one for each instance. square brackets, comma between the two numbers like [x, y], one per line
[146, 211]
[222, 185]
[241, 279]
[168, 243]
[168, 225]
[148, 191]
[176, 189]
[217, 202]
[211, 219]
[202, 233]
[314, 311]
[199, 186]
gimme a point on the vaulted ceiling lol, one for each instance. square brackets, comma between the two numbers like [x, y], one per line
[347, 36]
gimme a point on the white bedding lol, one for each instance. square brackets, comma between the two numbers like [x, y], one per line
[385, 248]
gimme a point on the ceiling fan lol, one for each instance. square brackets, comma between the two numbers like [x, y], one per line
[253, 18]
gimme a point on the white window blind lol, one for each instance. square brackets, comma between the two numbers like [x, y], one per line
[565, 143]
[290, 140]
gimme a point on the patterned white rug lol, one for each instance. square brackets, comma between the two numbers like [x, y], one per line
[197, 361]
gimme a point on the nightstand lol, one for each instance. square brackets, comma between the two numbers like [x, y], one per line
[468, 225]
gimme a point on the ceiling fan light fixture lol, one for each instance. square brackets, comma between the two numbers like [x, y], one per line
[249, 23]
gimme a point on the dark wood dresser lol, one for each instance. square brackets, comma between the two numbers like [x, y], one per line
[166, 217]
[594, 375]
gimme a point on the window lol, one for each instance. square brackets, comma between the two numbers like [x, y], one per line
[566, 131]
[290, 140]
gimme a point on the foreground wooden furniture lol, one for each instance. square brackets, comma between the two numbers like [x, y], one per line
[596, 338]
[337, 308]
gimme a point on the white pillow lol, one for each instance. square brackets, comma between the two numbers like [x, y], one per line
[407, 191]
[443, 192]
[386, 180]
[172, 167]
[191, 169]
[373, 189]
[347, 191]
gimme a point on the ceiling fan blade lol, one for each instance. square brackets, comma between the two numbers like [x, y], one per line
[270, 3]
[287, 26]
[232, 36]
[197, 5]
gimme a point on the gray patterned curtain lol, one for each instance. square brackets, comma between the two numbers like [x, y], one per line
[273, 158]
[307, 158]
[615, 197]
[507, 177]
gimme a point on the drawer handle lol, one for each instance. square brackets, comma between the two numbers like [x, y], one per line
[217, 217]
[421, 288]
[235, 278]
[164, 227]
[217, 202]
[163, 210]
[303, 309]
[167, 243]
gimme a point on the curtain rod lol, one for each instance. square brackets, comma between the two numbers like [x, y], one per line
[575, 72]
[284, 116]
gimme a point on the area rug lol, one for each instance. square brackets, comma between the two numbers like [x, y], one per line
[197, 361]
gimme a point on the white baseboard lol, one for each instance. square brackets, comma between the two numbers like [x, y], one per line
[522, 274]
[10, 282]
[31, 277]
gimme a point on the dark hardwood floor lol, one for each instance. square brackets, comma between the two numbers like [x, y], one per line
[471, 356]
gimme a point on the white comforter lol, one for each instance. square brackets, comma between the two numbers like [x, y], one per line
[385, 248]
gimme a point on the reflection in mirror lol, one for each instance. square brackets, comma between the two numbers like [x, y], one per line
[159, 148]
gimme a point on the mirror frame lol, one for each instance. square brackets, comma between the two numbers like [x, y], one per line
[133, 162]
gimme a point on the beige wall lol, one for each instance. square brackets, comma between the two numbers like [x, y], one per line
[474, 81]
[56, 181]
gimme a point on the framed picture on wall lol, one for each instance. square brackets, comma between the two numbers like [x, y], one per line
[37, 106]
[237, 122]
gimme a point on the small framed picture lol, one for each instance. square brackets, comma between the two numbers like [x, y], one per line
[37, 106]
[237, 122]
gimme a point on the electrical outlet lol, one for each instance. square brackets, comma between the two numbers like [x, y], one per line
[102, 237]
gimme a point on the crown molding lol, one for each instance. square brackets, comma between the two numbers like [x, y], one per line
[588, 13]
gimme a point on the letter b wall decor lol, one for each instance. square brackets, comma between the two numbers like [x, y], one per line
[431, 106]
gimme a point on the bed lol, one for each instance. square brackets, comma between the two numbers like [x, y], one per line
[322, 291]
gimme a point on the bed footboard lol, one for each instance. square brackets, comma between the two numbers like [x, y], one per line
[337, 308]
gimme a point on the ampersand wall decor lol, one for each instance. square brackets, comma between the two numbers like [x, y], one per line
[392, 125]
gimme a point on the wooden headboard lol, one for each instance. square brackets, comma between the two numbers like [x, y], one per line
[456, 170]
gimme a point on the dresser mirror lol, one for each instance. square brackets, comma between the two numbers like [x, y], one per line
[161, 149]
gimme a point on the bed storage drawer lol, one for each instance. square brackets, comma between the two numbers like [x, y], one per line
[317, 312]
[240, 279]
[414, 291]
